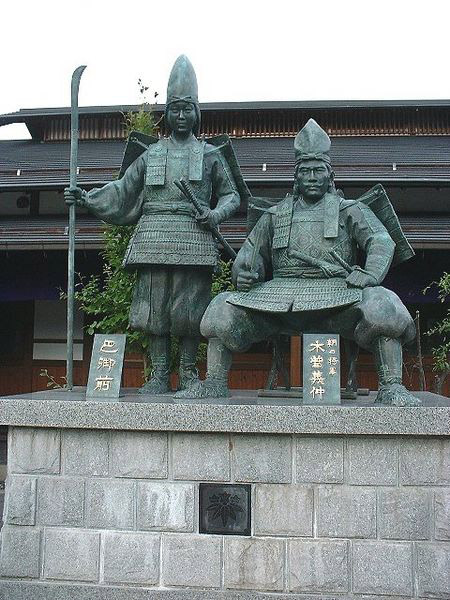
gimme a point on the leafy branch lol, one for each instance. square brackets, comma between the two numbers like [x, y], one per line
[441, 352]
[143, 120]
[52, 382]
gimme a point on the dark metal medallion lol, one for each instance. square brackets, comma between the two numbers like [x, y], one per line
[225, 509]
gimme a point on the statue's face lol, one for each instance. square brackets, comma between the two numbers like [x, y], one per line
[313, 179]
[181, 117]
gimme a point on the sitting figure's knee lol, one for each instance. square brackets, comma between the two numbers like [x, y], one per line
[210, 324]
[221, 320]
[383, 314]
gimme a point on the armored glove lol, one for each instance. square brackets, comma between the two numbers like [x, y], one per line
[207, 219]
[245, 280]
[360, 278]
[75, 195]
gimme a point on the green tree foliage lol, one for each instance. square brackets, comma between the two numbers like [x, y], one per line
[222, 281]
[441, 329]
[107, 298]
[143, 120]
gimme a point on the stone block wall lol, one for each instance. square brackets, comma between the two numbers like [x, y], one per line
[351, 516]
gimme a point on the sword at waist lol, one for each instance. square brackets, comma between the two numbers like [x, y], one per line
[327, 269]
[300, 273]
[187, 190]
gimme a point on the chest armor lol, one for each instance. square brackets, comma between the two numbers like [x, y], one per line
[176, 167]
[307, 234]
[167, 163]
[167, 232]
[298, 286]
[163, 152]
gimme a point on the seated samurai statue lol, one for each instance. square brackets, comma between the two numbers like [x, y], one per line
[172, 249]
[297, 272]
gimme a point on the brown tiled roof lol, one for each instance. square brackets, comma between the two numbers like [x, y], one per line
[27, 164]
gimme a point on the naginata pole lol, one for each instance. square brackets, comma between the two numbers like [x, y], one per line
[71, 253]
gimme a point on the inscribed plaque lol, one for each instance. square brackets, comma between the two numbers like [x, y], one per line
[105, 372]
[321, 369]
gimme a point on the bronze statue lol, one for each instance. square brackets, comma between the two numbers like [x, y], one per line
[297, 272]
[172, 249]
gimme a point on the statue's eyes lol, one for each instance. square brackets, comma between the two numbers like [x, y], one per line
[316, 171]
[177, 109]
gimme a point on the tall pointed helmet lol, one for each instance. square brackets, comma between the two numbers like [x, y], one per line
[312, 142]
[183, 86]
[182, 82]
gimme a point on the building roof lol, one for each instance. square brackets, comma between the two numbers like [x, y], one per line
[51, 232]
[27, 164]
[26, 113]
[253, 119]
[30, 164]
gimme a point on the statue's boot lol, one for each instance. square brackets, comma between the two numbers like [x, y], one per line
[389, 362]
[188, 356]
[159, 350]
[216, 383]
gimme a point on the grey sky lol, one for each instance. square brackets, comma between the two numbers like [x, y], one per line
[241, 50]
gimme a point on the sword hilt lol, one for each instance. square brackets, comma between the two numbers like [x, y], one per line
[186, 189]
[341, 261]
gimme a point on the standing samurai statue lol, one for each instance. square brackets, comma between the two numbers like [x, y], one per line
[298, 272]
[172, 247]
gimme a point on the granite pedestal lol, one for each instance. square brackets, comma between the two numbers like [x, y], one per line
[348, 501]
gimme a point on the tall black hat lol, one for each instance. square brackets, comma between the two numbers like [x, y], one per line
[183, 86]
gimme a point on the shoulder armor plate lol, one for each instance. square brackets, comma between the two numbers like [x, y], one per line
[223, 145]
[378, 202]
[137, 144]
